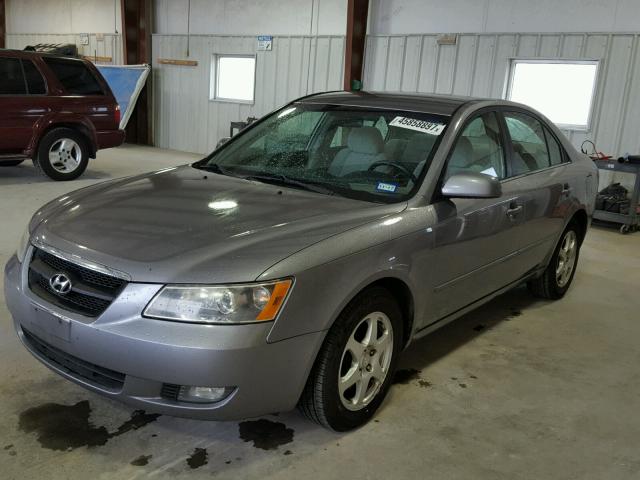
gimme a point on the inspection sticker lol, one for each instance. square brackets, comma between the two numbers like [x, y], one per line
[386, 187]
[432, 128]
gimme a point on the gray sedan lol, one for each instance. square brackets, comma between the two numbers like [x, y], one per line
[293, 264]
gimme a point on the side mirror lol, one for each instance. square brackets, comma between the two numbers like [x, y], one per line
[472, 185]
[222, 141]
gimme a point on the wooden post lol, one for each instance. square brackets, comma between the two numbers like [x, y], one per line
[3, 24]
[136, 40]
[357, 14]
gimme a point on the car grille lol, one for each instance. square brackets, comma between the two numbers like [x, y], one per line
[91, 293]
[74, 366]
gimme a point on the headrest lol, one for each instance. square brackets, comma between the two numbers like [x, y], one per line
[419, 147]
[394, 148]
[365, 140]
[462, 153]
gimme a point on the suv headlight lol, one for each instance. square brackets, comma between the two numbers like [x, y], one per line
[221, 304]
[23, 245]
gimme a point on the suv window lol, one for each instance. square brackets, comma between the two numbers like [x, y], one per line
[529, 143]
[479, 148]
[35, 82]
[74, 76]
[12, 77]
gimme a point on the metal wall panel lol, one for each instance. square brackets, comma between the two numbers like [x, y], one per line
[478, 65]
[185, 118]
[109, 46]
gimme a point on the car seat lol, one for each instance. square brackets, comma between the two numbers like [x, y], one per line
[364, 147]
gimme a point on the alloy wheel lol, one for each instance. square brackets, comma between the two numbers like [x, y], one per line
[65, 155]
[365, 361]
[566, 258]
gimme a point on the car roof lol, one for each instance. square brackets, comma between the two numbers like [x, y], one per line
[424, 103]
[31, 54]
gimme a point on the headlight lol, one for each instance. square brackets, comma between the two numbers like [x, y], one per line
[23, 246]
[258, 302]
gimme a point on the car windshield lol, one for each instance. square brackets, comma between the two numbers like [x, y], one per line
[360, 153]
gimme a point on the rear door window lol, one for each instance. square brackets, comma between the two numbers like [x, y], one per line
[555, 150]
[75, 76]
[11, 77]
[529, 143]
[35, 82]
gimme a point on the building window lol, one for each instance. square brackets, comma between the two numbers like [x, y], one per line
[560, 89]
[233, 78]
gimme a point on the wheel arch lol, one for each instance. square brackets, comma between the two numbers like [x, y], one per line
[79, 127]
[402, 293]
[581, 219]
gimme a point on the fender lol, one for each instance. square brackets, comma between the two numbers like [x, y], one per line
[51, 120]
[321, 293]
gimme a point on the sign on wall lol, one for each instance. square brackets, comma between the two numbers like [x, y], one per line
[265, 43]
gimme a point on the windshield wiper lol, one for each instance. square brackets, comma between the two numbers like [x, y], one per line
[215, 168]
[280, 179]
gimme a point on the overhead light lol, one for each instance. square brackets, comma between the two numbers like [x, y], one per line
[223, 205]
[286, 112]
[391, 221]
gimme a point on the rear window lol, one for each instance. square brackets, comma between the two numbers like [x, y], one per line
[74, 76]
[12, 79]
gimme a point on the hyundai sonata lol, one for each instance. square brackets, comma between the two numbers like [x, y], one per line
[293, 264]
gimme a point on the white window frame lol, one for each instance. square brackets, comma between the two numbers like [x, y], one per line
[214, 73]
[578, 128]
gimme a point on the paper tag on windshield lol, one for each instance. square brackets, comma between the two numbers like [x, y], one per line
[432, 128]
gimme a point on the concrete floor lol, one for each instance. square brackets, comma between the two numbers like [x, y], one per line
[517, 389]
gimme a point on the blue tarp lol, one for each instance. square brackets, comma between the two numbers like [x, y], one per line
[126, 82]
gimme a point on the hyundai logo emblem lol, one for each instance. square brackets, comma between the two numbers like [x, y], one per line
[60, 283]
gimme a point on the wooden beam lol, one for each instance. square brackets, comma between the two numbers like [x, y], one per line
[97, 58]
[136, 40]
[174, 61]
[357, 15]
[3, 24]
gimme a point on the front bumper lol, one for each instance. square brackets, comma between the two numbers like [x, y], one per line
[268, 377]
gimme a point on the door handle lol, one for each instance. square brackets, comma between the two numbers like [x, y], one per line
[566, 189]
[514, 210]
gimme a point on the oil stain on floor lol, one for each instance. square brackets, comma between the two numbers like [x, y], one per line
[265, 434]
[198, 458]
[141, 461]
[405, 376]
[66, 427]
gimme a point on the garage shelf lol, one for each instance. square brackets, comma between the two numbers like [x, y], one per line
[631, 221]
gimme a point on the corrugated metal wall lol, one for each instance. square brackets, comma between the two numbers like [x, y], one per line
[478, 65]
[109, 46]
[185, 118]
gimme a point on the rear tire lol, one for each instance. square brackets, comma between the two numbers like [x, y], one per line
[354, 368]
[63, 154]
[557, 277]
[11, 163]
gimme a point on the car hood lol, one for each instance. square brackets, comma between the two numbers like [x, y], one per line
[189, 226]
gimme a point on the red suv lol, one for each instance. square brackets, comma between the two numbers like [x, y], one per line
[58, 111]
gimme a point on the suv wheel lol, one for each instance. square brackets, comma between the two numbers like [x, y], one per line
[63, 154]
[355, 365]
[11, 163]
[557, 277]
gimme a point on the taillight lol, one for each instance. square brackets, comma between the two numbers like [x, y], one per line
[116, 115]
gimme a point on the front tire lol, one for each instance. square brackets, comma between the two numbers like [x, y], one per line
[354, 368]
[558, 275]
[63, 154]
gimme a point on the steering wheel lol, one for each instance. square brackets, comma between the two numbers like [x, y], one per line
[397, 166]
